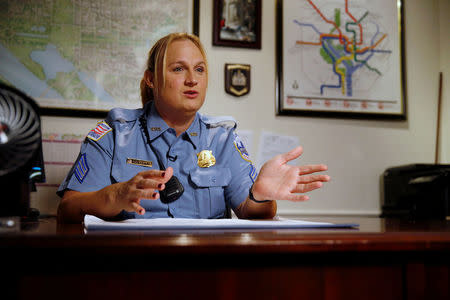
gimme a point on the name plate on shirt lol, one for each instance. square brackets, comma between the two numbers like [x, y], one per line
[139, 162]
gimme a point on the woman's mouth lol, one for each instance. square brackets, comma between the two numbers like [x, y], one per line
[191, 94]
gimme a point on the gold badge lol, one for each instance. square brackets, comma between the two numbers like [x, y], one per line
[206, 159]
[139, 162]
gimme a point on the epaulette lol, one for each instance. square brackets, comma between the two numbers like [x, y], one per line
[123, 115]
[223, 121]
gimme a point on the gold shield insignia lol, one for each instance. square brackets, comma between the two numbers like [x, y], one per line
[205, 159]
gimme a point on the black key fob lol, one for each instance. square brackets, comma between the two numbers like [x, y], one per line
[174, 189]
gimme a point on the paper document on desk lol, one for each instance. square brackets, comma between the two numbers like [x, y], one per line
[94, 223]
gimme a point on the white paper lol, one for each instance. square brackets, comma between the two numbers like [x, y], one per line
[94, 223]
[271, 144]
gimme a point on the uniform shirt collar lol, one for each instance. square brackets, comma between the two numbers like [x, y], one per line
[193, 132]
[157, 126]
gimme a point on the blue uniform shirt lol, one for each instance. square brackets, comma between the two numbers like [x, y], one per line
[117, 149]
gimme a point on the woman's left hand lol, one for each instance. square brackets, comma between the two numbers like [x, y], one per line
[279, 181]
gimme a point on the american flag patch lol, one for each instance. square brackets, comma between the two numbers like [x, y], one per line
[253, 173]
[82, 168]
[99, 131]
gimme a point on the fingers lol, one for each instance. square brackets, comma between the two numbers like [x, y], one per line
[293, 154]
[168, 174]
[137, 208]
[313, 178]
[149, 184]
[308, 169]
[142, 194]
[304, 188]
[297, 198]
[151, 173]
[159, 175]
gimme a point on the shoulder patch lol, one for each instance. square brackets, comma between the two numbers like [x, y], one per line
[82, 168]
[241, 148]
[100, 131]
[253, 173]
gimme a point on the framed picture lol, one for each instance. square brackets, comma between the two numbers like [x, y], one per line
[237, 23]
[340, 58]
[86, 58]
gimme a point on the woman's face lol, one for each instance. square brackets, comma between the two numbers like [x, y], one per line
[185, 80]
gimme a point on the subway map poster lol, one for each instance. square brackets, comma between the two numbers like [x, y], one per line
[341, 57]
[84, 54]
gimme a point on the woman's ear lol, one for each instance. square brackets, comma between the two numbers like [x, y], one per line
[148, 77]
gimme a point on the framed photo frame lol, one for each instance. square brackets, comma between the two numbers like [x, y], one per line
[340, 58]
[71, 67]
[237, 23]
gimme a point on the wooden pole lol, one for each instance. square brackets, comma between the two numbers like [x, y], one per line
[438, 127]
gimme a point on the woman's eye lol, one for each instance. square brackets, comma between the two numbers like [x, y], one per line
[200, 69]
[177, 69]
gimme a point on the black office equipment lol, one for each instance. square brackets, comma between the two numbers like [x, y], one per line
[21, 160]
[416, 191]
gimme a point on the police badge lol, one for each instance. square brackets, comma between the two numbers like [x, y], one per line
[206, 159]
[237, 79]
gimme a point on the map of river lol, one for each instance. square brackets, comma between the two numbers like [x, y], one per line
[83, 53]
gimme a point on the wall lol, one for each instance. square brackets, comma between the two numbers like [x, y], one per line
[356, 151]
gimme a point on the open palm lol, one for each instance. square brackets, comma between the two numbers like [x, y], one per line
[279, 181]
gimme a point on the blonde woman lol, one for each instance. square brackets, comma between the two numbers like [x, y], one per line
[167, 160]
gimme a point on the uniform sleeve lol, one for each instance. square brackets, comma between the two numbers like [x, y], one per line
[91, 171]
[243, 172]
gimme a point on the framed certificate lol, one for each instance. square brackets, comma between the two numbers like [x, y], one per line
[340, 58]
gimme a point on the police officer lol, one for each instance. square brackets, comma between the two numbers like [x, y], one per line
[167, 160]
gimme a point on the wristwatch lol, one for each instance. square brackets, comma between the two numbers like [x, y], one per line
[250, 196]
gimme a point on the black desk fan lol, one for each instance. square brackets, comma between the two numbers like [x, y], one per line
[21, 160]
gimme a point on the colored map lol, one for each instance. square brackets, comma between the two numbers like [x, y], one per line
[84, 53]
[342, 54]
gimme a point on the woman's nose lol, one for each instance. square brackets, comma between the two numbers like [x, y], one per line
[190, 80]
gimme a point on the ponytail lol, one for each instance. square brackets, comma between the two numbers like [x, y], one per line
[146, 92]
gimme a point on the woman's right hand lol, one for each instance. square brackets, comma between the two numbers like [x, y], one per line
[111, 200]
[144, 185]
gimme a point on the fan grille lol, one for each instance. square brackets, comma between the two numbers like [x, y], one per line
[22, 137]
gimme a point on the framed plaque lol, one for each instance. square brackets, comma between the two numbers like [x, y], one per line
[237, 79]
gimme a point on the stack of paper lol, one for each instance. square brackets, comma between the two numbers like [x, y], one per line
[94, 223]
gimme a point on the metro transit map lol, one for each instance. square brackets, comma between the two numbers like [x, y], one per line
[342, 55]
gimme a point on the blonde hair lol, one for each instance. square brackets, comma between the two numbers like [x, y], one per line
[156, 63]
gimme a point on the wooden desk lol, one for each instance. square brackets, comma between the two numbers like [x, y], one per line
[383, 259]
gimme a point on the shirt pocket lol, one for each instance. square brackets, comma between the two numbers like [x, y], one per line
[210, 184]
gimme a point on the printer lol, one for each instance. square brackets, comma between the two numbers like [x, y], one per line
[416, 191]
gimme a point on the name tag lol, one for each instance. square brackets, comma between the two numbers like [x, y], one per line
[139, 162]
